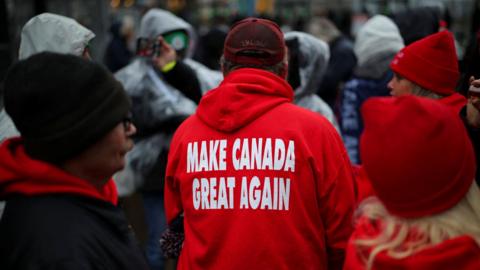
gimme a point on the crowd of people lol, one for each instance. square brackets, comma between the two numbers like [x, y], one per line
[295, 150]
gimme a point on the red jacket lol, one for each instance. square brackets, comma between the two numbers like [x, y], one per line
[262, 183]
[455, 101]
[363, 184]
[456, 253]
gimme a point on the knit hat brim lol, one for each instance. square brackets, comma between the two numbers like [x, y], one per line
[73, 140]
[62, 104]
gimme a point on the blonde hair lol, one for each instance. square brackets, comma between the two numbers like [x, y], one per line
[396, 233]
[417, 90]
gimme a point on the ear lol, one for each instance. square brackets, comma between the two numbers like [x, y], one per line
[284, 70]
[223, 69]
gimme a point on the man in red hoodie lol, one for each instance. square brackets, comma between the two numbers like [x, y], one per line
[260, 183]
[61, 210]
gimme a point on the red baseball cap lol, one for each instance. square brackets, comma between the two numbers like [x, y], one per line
[254, 41]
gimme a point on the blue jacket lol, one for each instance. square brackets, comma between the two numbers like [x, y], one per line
[356, 91]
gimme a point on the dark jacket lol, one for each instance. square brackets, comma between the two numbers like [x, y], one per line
[356, 91]
[117, 54]
[54, 220]
[66, 232]
[339, 69]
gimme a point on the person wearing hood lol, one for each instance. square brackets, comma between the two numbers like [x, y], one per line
[61, 210]
[54, 33]
[255, 181]
[308, 60]
[164, 92]
[376, 44]
[426, 212]
[182, 37]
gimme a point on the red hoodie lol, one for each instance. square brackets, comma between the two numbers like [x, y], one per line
[456, 101]
[20, 174]
[262, 183]
[456, 253]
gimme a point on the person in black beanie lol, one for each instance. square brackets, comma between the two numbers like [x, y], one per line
[75, 130]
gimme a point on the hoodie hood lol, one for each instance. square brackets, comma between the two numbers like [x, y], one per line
[376, 44]
[313, 55]
[54, 33]
[312, 60]
[243, 96]
[20, 174]
[455, 101]
[157, 22]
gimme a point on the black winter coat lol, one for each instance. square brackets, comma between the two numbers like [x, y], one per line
[66, 232]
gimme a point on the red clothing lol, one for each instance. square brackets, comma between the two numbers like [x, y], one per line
[456, 253]
[262, 183]
[20, 174]
[455, 100]
[363, 184]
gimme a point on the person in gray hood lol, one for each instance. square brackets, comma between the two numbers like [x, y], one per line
[307, 65]
[47, 32]
[158, 22]
[377, 43]
[54, 33]
[165, 85]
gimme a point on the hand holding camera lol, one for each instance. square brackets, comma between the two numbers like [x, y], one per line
[159, 50]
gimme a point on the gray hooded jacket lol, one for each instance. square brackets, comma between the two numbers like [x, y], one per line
[313, 60]
[53, 33]
[155, 102]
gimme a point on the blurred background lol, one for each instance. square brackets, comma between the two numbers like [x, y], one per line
[462, 16]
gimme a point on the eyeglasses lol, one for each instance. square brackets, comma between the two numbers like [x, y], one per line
[127, 122]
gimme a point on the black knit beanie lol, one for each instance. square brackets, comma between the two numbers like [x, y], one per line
[62, 104]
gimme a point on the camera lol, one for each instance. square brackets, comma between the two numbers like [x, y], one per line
[148, 47]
